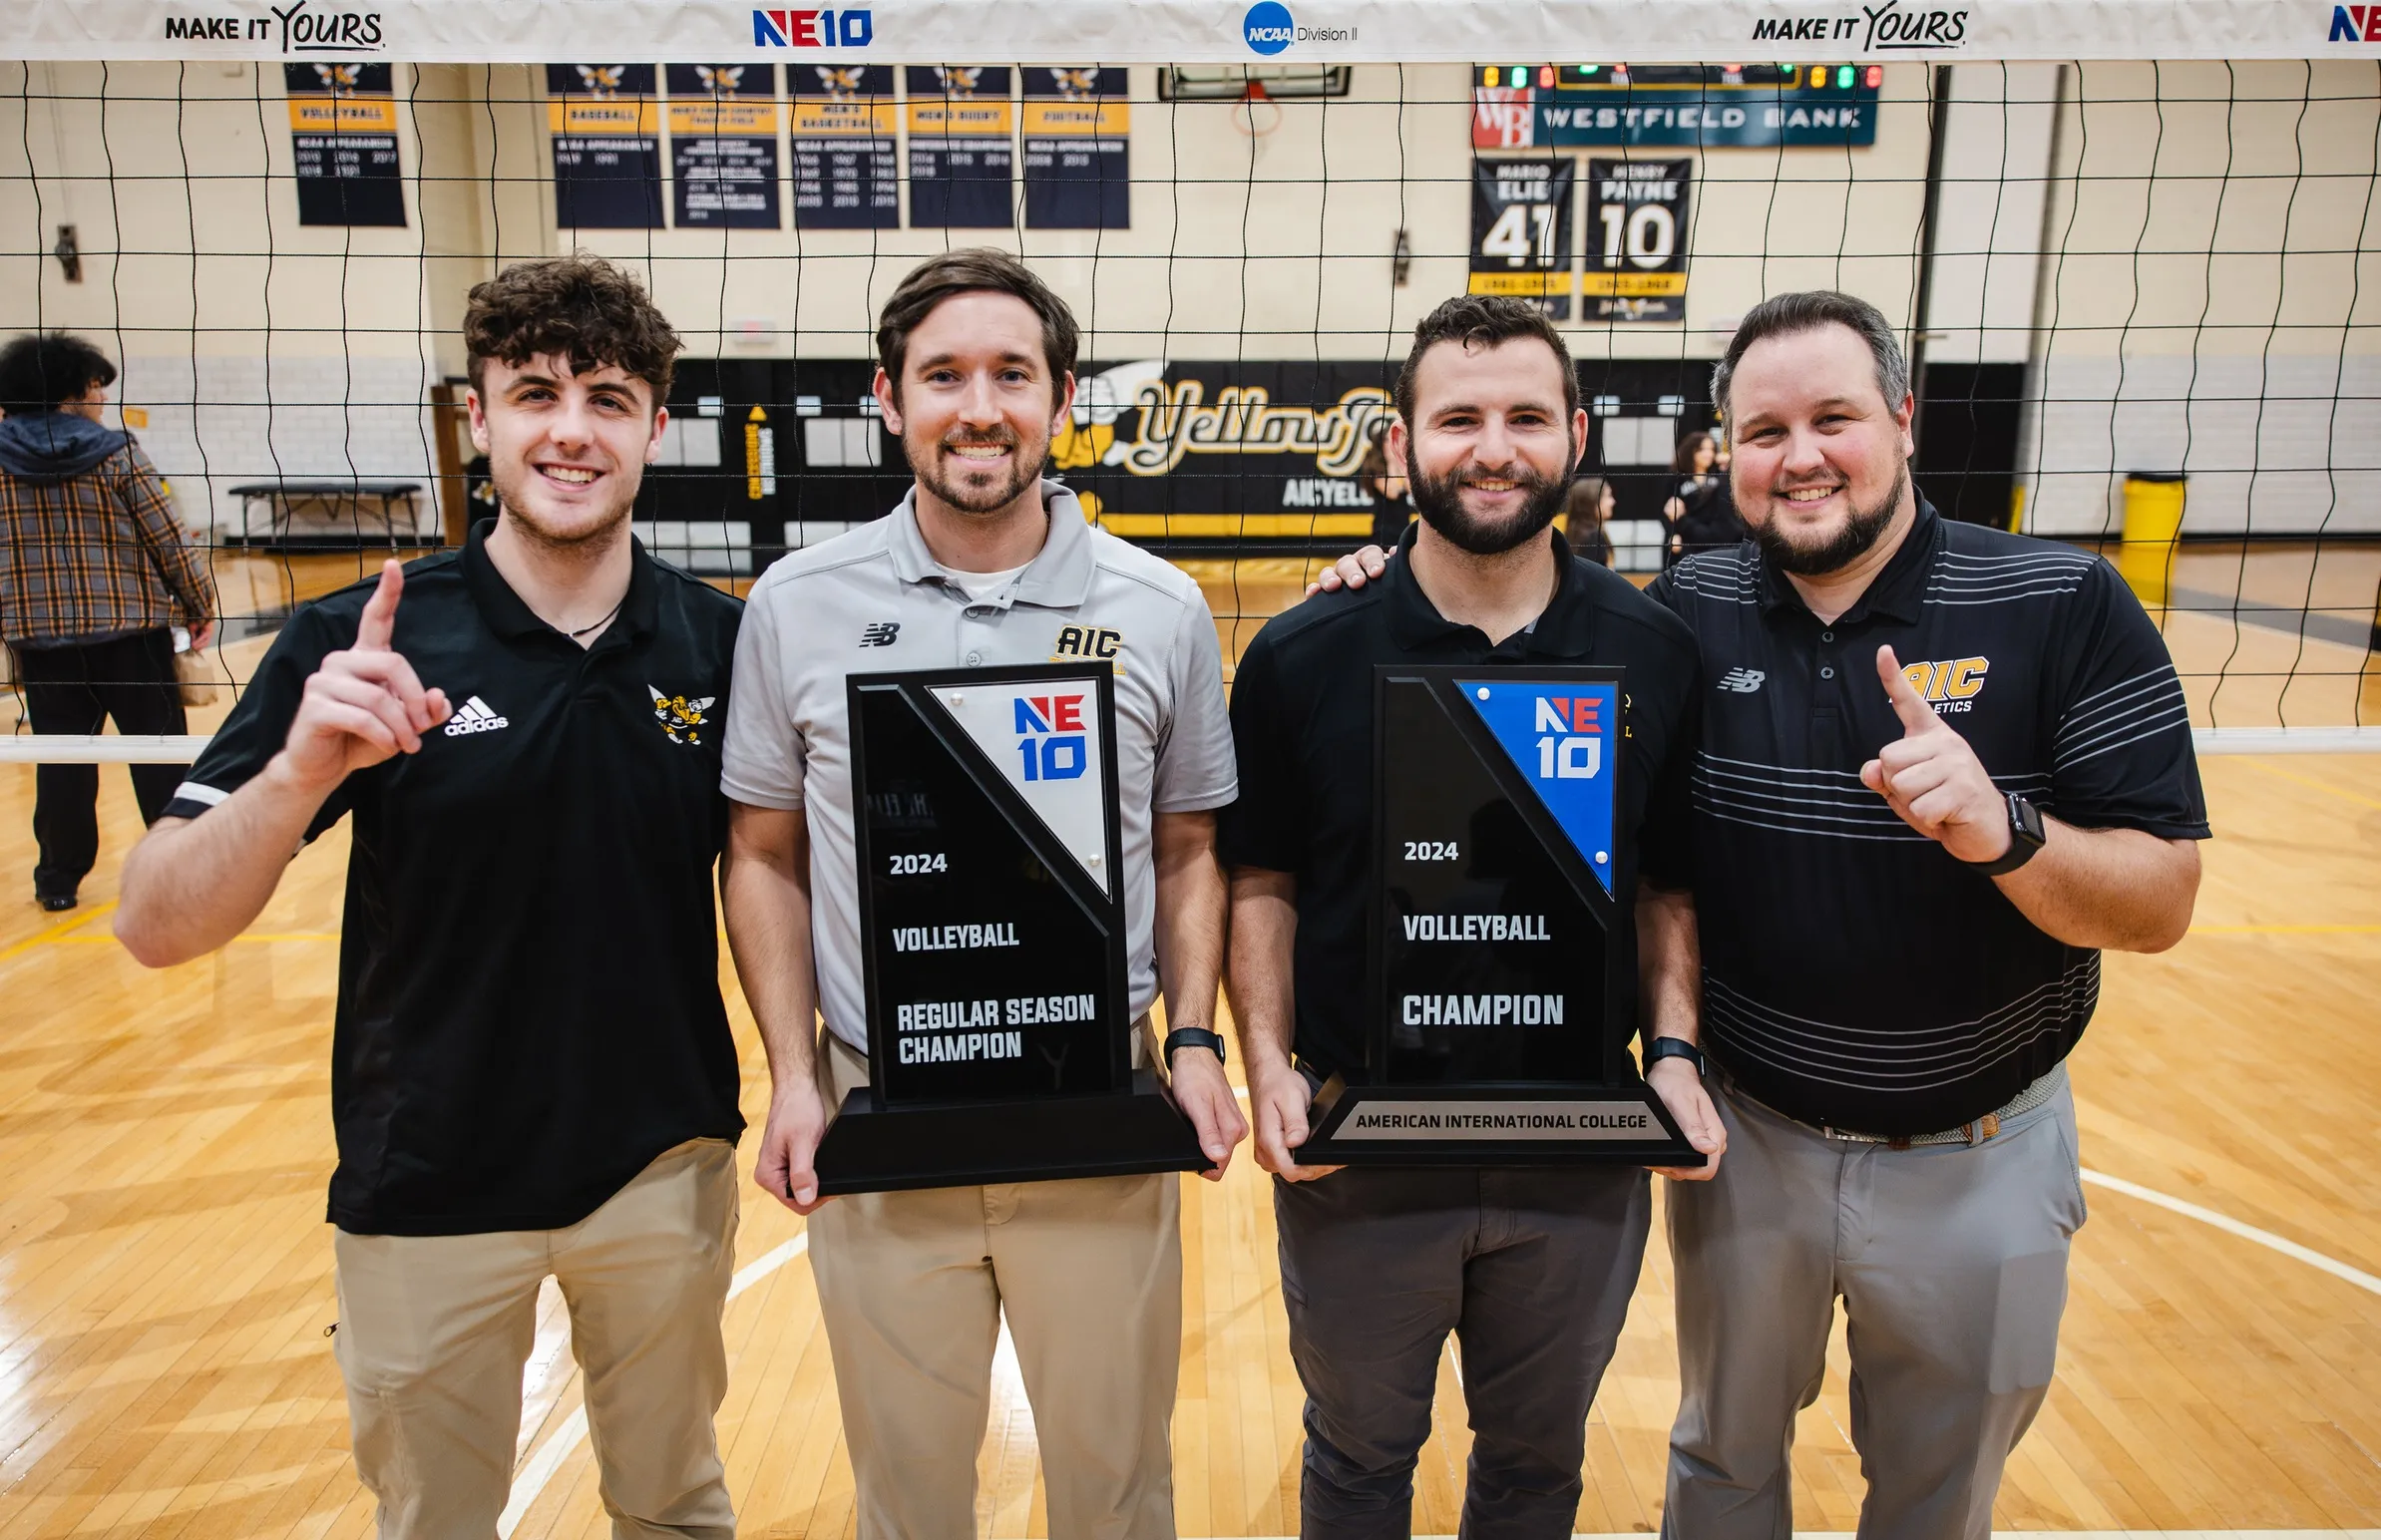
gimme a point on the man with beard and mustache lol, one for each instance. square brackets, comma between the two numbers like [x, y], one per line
[1531, 1267]
[532, 1072]
[1905, 872]
[982, 564]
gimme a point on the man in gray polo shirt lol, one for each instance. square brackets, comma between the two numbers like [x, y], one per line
[982, 564]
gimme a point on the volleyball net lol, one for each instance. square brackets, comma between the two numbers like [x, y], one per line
[2141, 287]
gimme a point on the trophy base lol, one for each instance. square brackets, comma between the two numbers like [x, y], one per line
[1492, 1125]
[871, 1148]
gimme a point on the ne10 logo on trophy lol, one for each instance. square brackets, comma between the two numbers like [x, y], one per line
[992, 927]
[1502, 995]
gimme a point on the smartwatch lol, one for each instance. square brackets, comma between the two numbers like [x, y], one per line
[1674, 1047]
[2025, 838]
[1193, 1037]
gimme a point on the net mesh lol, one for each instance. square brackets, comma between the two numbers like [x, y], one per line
[2143, 299]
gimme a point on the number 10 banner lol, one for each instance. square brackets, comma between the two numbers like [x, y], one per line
[1521, 230]
[1637, 240]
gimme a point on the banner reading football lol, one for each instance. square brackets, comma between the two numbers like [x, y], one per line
[1637, 240]
[1521, 230]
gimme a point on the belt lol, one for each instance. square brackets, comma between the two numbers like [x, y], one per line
[1976, 1132]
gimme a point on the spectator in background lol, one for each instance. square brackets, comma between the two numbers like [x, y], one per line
[1587, 508]
[1701, 512]
[1386, 488]
[94, 573]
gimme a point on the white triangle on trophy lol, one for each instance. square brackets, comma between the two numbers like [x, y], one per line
[1046, 738]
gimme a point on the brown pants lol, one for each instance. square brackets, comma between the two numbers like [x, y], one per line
[913, 1287]
[433, 1332]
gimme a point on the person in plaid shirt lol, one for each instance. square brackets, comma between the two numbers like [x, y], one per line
[94, 573]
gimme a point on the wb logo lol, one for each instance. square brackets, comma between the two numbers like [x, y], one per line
[1570, 737]
[1054, 746]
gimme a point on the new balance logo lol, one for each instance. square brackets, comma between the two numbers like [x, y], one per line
[880, 633]
[1742, 681]
[476, 716]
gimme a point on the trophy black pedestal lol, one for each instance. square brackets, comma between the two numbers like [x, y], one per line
[875, 1147]
[1491, 1125]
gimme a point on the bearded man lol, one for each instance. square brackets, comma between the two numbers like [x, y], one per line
[1530, 1268]
[532, 1072]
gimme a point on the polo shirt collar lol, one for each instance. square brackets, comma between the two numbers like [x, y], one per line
[1898, 592]
[1565, 628]
[509, 618]
[1058, 577]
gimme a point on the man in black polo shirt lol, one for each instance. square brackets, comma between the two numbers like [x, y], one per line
[1941, 768]
[532, 1070]
[1530, 1268]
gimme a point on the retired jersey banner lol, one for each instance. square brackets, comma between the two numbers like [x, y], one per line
[606, 145]
[343, 131]
[1637, 240]
[847, 167]
[1078, 149]
[1521, 230]
[962, 171]
[723, 120]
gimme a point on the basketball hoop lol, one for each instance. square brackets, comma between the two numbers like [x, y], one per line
[1255, 114]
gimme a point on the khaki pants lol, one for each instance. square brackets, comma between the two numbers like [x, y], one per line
[433, 1332]
[913, 1286]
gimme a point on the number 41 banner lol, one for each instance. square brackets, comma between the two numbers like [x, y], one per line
[1637, 240]
[1521, 230]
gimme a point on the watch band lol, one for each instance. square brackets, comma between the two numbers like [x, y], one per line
[1661, 1048]
[2025, 838]
[1193, 1037]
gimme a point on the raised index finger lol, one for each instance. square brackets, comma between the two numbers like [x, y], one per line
[1916, 715]
[379, 624]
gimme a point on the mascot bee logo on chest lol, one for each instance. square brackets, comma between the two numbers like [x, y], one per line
[685, 720]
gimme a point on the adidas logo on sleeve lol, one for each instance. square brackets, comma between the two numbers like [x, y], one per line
[474, 717]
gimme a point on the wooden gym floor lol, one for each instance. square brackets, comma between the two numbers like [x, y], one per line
[166, 1275]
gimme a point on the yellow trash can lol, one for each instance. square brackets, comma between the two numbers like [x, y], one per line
[2153, 522]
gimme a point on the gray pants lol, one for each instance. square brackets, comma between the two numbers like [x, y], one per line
[1952, 1263]
[1530, 1269]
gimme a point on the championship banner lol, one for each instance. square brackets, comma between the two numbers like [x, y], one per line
[846, 165]
[723, 120]
[1191, 31]
[606, 145]
[961, 152]
[1079, 148]
[992, 927]
[344, 131]
[1760, 106]
[1637, 240]
[1521, 230]
[1502, 1002]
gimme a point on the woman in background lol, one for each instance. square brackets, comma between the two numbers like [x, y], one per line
[1391, 512]
[1586, 510]
[1701, 512]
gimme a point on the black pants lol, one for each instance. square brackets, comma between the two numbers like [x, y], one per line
[76, 690]
[1531, 1269]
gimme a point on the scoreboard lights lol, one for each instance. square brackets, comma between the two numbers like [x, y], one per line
[1622, 77]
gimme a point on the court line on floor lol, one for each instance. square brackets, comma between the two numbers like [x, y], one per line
[550, 1456]
[2307, 780]
[52, 932]
[2234, 1227]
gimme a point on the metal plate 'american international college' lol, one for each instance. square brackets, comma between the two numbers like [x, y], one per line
[1552, 1120]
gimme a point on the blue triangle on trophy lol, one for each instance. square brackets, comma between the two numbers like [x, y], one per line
[1563, 738]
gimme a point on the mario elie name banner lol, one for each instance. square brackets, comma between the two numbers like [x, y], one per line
[1501, 1001]
[992, 918]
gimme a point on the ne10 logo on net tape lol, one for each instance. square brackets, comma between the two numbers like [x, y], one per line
[813, 29]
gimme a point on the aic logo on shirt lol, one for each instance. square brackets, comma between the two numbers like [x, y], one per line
[1054, 747]
[1951, 685]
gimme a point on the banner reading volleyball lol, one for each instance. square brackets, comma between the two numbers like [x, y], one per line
[343, 138]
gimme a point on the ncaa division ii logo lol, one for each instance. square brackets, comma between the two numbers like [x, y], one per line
[1268, 27]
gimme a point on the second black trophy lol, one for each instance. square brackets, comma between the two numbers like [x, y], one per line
[993, 922]
[1502, 995]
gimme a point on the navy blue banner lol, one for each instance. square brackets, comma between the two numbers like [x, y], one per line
[606, 145]
[723, 120]
[1078, 149]
[961, 152]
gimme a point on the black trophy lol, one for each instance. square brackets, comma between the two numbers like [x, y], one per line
[1500, 1008]
[991, 910]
